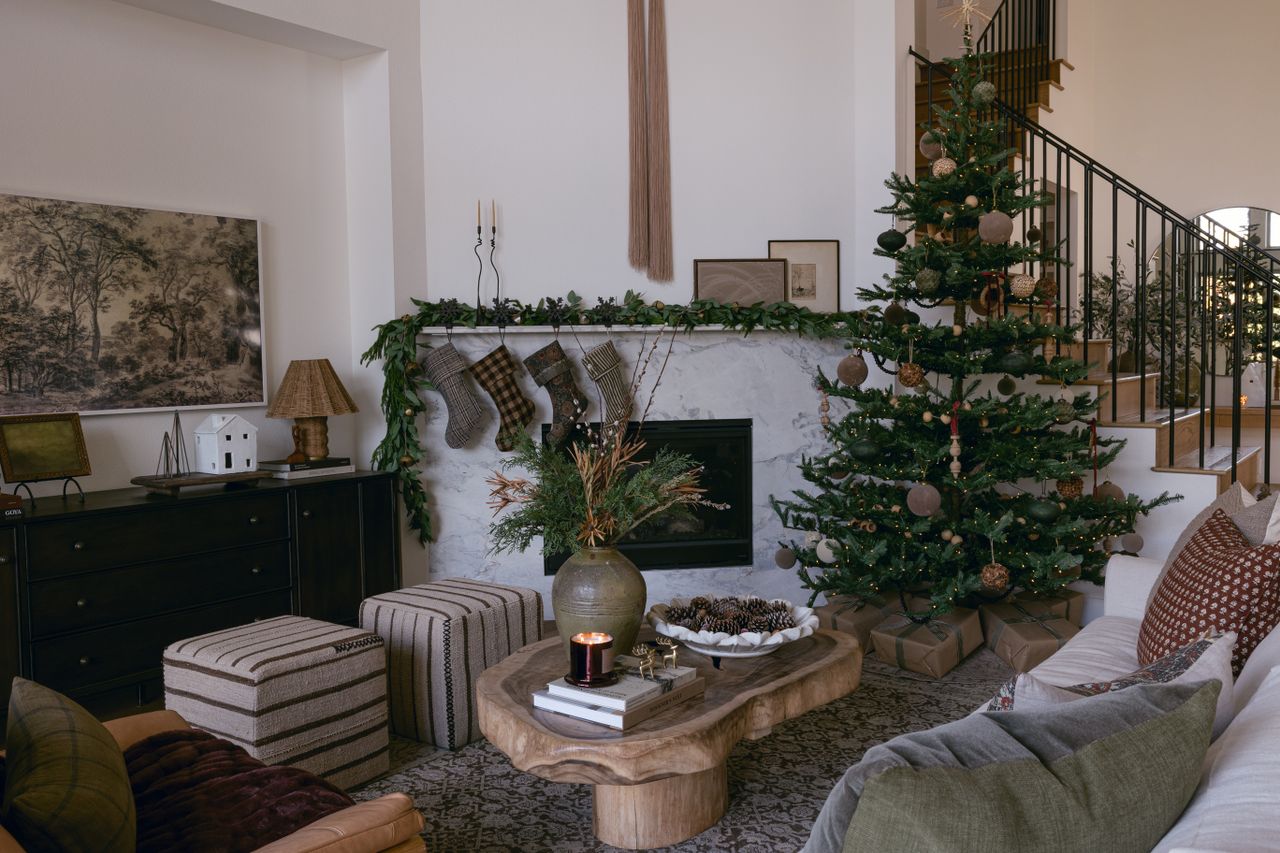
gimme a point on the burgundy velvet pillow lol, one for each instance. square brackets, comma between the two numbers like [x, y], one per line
[1218, 583]
[194, 791]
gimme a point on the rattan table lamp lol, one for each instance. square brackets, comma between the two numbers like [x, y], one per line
[309, 393]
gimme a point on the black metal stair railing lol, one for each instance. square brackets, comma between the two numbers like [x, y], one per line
[1169, 309]
[1021, 38]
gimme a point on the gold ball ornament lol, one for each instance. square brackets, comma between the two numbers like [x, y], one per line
[1070, 488]
[1108, 490]
[957, 540]
[408, 413]
[894, 401]
[910, 374]
[1022, 286]
[943, 167]
[995, 577]
[971, 201]
[984, 422]
[406, 460]
[946, 535]
[926, 416]
[945, 418]
[957, 330]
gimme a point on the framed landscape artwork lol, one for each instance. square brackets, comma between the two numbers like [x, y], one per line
[813, 272]
[42, 447]
[110, 309]
[741, 281]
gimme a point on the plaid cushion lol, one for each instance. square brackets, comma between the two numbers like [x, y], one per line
[1218, 583]
[496, 374]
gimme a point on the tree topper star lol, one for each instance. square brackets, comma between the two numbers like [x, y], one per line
[965, 12]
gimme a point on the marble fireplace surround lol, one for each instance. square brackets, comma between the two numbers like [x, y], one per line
[712, 373]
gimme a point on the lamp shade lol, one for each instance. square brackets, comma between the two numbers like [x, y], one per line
[310, 389]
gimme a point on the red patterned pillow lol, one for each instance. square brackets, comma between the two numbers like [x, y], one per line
[1218, 583]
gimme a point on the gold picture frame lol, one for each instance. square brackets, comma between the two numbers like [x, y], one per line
[42, 447]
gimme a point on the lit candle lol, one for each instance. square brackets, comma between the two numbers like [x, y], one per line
[493, 214]
[477, 213]
[591, 660]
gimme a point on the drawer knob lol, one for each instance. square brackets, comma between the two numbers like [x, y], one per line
[4, 561]
[253, 519]
[306, 513]
[82, 602]
[84, 661]
[78, 546]
[256, 570]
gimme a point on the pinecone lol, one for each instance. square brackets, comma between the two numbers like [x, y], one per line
[735, 617]
[780, 621]
[759, 625]
[720, 606]
[719, 626]
[756, 606]
[685, 617]
[700, 602]
[778, 607]
[1071, 489]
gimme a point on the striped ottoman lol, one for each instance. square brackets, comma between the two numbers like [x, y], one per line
[290, 691]
[440, 636]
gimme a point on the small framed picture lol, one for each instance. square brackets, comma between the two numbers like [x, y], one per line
[42, 447]
[741, 281]
[813, 272]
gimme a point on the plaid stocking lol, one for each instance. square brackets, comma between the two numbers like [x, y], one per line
[447, 371]
[605, 368]
[496, 373]
[551, 370]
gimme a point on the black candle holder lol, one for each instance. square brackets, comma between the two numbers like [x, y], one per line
[480, 270]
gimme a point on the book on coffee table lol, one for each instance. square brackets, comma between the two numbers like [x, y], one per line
[630, 690]
[619, 719]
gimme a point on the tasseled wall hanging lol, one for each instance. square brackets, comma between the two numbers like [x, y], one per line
[649, 247]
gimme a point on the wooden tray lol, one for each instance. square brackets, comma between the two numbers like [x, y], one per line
[173, 483]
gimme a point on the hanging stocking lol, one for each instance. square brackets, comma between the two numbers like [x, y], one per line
[551, 370]
[605, 369]
[496, 373]
[446, 370]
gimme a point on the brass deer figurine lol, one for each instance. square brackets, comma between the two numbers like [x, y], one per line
[648, 658]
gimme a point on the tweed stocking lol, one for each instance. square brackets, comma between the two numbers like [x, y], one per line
[447, 371]
[605, 368]
[496, 373]
[551, 370]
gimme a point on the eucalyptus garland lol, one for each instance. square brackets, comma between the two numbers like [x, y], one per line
[396, 346]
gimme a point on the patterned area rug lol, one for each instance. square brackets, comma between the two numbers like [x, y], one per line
[474, 800]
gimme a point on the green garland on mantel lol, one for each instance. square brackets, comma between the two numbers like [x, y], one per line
[397, 346]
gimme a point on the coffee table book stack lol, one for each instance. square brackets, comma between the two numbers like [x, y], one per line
[283, 469]
[628, 701]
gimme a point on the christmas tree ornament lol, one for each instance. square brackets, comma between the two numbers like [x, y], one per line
[927, 281]
[1006, 386]
[1108, 491]
[604, 366]
[852, 369]
[924, 499]
[1015, 361]
[957, 330]
[995, 577]
[446, 370]
[995, 226]
[550, 369]
[894, 401]
[864, 450]
[496, 373]
[891, 240]
[984, 422]
[989, 300]
[1033, 234]
[956, 274]
[984, 93]
[1070, 488]
[1131, 543]
[785, 558]
[957, 540]
[926, 416]
[1022, 286]
[824, 406]
[895, 314]
[971, 201]
[1043, 511]
[943, 167]
[930, 145]
[826, 550]
[946, 535]
[867, 526]
[910, 374]
[1064, 410]
[1046, 290]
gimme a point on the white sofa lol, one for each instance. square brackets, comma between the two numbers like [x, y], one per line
[1237, 806]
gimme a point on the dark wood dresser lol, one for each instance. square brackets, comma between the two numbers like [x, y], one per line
[92, 593]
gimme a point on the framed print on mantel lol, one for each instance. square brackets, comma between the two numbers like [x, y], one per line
[813, 272]
[740, 281]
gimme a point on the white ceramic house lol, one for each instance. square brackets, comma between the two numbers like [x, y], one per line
[226, 444]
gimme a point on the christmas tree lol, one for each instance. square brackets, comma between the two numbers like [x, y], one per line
[952, 486]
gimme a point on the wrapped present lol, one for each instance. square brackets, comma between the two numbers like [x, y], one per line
[854, 615]
[1067, 603]
[929, 648]
[1026, 631]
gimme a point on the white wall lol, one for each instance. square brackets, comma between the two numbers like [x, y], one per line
[109, 103]
[527, 103]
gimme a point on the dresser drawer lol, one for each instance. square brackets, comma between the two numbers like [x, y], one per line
[131, 592]
[70, 545]
[104, 654]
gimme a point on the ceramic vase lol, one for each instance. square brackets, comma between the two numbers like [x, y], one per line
[599, 589]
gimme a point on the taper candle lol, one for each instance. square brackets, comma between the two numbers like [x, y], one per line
[477, 213]
[493, 214]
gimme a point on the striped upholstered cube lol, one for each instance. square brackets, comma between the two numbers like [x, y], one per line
[290, 691]
[440, 637]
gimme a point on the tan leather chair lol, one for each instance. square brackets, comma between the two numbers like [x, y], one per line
[389, 823]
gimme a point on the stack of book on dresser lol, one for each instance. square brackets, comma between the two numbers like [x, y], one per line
[622, 705]
[282, 469]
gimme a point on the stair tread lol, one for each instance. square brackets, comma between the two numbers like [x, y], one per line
[1217, 460]
[1152, 421]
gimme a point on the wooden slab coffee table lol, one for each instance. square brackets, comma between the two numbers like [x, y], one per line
[663, 780]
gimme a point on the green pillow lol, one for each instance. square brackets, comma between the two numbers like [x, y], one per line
[1110, 772]
[66, 788]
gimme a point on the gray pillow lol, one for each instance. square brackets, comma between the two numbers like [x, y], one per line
[1111, 772]
[1232, 501]
[1255, 520]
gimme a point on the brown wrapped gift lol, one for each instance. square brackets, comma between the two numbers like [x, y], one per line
[853, 615]
[1067, 603]
[932, 648]
[1024, 633]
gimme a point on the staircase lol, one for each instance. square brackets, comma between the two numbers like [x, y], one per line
[1140, 278]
